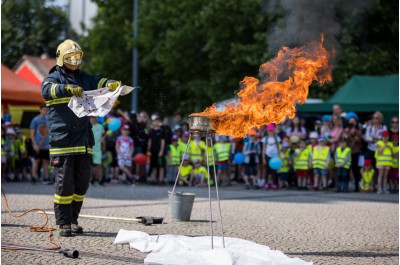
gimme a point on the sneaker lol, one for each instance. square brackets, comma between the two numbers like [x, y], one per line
[76, 229]
[33, 180]
[274, 187]
[247, 187]
[47, 182]
[379, 191]
[65, 231]
[266, 186]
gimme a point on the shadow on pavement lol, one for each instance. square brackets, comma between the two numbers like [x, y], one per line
[109, 258]
[97, 234]
[344, 254]
[142, 192]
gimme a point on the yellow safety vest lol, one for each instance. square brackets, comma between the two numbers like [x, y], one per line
[320, 156]
[182, 147]
[185, 171]
[3, 142]
[341, 156]
[222, 151]
[210, 155]
[199, 171]
[367, 177]
[301, 160]
[285, 162]
[386, 158]
[196, 150]
[395, 161]
[175, 155]
[22, 146]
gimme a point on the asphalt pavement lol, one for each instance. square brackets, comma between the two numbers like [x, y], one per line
[322, 227]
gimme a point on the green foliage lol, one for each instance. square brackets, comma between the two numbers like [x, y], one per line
[191, 53]
[204, 48]
[30, 27]
[369, 47]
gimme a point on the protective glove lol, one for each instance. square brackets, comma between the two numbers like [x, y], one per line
[113, 85]
[74, 90]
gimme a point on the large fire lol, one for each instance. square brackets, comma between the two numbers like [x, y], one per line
[283, 83]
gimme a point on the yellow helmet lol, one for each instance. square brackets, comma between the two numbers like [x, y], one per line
[69, 54]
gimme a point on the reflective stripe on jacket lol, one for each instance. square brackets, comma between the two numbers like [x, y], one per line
[69, 135]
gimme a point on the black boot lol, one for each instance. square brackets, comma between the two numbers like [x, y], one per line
[76, 229]
[65, 230]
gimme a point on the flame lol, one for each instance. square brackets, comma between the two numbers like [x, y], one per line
[268, 99]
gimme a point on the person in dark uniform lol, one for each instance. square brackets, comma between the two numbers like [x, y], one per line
[71, 138]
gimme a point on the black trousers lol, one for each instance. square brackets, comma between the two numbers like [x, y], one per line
[356, 170]
[72, 176]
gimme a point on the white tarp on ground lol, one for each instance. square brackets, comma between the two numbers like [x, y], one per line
[177, 250]
[97, 102]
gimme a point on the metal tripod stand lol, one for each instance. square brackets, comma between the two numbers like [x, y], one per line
[200, 126]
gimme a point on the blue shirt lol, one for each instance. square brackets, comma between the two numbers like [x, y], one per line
[40, 125]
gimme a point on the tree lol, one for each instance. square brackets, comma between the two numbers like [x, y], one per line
[191, 53]
[30, 27]
[203, 48]
[368, 47]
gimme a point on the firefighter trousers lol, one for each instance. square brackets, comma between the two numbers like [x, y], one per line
[72, 176]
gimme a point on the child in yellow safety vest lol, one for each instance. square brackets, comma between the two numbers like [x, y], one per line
[384, 159]
[320, 162]
[342, 163]
[185, 172]
[173, 159]
[222, 152]
[302, 163]
[283, 171]
[3, 154]
[196, 149]
[252, 151]
[9, 147]
[22, 163]
[210, 153]
[394, 170]
[367, 177]
[199, 175]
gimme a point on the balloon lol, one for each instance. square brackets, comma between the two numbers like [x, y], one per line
[238, 158]
[121, 120]
[108, 120]
[114, 124]
[140, 159]
[275, 163]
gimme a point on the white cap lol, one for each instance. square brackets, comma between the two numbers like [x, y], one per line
[314, 135]
[10, 131]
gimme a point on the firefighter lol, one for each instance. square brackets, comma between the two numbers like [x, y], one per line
[71, 138]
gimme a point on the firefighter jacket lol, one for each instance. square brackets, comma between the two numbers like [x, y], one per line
[69, 135]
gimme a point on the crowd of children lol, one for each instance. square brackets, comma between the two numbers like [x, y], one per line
[340, 154]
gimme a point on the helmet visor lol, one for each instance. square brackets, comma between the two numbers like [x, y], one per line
[73, 58]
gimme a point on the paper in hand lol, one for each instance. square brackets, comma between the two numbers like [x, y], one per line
[97, 102]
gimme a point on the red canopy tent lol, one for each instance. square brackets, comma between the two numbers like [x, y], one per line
[17, 91]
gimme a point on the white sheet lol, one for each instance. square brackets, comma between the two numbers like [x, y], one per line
[97, 102]
[180, 250]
